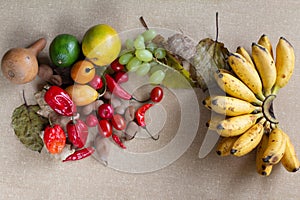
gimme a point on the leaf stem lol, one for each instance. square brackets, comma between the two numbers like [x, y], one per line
[24, 99]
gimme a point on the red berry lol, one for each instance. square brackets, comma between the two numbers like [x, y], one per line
[118, 122]
[105, 111]
[156, 94]
[116, 66]
[105, 128]
[121, 77]
[96, 82]
[91, 120]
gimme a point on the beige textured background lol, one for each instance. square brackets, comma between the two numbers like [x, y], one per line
[28, 175]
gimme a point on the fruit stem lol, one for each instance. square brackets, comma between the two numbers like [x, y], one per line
[38, 46]
[144, 23]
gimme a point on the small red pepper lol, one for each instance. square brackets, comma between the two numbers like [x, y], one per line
[59, 100]
[54, 138]
[80, 154]
[118, 141]
[140, 114]
[77, 132]
[117, 90]
[140, 118]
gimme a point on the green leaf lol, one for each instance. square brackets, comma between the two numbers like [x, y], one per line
[175, 64]
[28, 125]
[210, 56]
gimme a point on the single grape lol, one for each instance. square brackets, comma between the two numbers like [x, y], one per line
[156, 67]
[143, 69]
[151, 47]
[124, 59]
[160, 53]
[143, 55]
[139, 42]
[149, 35]
[157, 77]
[129, 44]
[133, 64]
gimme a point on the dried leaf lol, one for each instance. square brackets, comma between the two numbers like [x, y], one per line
[28, 125]
[210, 56]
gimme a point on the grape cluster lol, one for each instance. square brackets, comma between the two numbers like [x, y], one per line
[141, 55]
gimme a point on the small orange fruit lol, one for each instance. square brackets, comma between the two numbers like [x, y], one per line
[83, 71]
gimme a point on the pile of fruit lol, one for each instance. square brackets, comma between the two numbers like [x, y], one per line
[245, 119]
[83, 91]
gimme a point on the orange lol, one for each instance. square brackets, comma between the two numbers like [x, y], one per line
[101, 44]
[83, 71]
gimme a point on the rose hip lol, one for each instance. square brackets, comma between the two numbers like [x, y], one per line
[105, 128]
[156, 94]
[118, 122]
[96, 82]
[116, 66]
[121, 77]
[105, 111]
[91, 120]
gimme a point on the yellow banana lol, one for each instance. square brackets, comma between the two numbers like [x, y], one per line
[225, 144]
[249, 140]
[247, 73]
[237, 125]
[240, 50]
[231, 106]
[214, 121]
[265, 66]
[276, 147]
[289, 159]
[207, 102]
[285, 62]
[261, 167]
[265, 42]
[234, 87]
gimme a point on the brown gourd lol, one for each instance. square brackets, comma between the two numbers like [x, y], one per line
[20, 65]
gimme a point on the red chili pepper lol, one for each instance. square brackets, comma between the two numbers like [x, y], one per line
[117, 90]
[54, 138]
[140, 118]
[59, 100]
[80, 154]
[118, 141]
[77, 132]
[140, 114]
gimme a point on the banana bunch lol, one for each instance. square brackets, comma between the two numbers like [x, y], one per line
[244, 117]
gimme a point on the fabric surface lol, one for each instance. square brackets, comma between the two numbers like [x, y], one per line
[29, 175]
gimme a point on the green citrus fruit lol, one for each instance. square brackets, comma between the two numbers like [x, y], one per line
[101, 44]
[64, 50]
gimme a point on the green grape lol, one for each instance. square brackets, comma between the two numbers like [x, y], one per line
[129, 44]
[139, 42]
[156, 67]
[143, 69]
[157, 77]
[159, 53]
[151, 47]
[133, 64]
[143, 55]
[124, 59]
[149, 35]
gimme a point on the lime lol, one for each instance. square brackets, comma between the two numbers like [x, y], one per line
[101, 44]
[64, 50]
